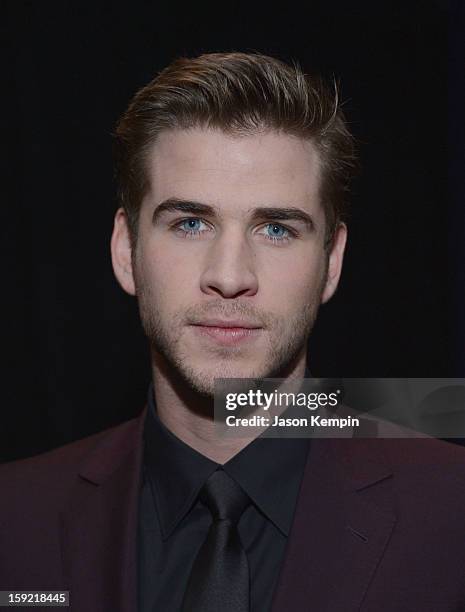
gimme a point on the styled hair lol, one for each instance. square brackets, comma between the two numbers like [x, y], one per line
[240, 94]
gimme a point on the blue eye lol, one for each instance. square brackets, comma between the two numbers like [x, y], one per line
[276, 232]
[191, 225]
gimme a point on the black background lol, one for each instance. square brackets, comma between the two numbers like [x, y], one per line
[75, 357]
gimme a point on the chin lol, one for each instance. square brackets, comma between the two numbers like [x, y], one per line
[202, 379]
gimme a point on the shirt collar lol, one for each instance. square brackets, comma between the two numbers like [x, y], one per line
[269, 470]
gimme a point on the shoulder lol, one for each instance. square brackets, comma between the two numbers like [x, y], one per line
[403, 453]
[411, 464]
[426, 455]
[429, 474]
[50, 475]
[422, 472]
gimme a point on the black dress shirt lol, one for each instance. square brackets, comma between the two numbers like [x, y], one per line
[173, 524]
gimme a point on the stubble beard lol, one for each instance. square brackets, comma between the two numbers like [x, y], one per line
[286, 339]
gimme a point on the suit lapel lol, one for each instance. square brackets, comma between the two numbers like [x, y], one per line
[342, 524]
[99, 525]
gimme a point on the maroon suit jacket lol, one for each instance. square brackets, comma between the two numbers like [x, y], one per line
[379, 525]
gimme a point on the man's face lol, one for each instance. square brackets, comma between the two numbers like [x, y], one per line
[230, 266]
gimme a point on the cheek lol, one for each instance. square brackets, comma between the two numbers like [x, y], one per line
[289, 283]
[168, 275]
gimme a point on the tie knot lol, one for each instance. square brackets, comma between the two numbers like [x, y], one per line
[224, 497]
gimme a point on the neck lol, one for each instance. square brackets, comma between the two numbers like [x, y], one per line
[189, 415]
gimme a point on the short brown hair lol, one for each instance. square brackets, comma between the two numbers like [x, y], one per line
[239, 93]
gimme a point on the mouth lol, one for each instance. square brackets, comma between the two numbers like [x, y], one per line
[227, 332]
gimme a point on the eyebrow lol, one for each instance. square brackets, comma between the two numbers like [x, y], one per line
[259, 213]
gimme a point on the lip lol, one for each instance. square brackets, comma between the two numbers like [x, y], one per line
[228, 324]
[227, 333]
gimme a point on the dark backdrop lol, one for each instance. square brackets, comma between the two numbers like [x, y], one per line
[75, 358]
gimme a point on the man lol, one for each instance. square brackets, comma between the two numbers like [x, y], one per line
[232, 176]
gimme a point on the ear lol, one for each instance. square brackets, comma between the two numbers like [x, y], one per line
[335, 262]
[121, 252]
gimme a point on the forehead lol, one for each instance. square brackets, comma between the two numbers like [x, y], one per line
[208, 165]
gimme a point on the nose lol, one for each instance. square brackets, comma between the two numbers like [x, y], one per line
[229, 267]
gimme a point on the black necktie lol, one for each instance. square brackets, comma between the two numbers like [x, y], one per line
[219, 580]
